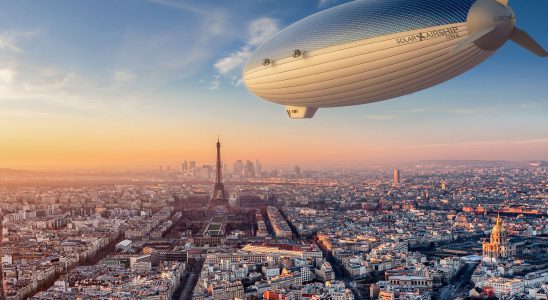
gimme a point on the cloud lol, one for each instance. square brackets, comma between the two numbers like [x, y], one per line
[455, 110]
[532, 105]
[61, 89]
[24, 113]
[260, 30]
[418, 110]
[492, 143]
[9, 38]
[123, 76]
[7, 75]
[7, 45]
[214, 17]
[381, 117]
[234, 61]
[180, 6]
[34, 83]
[215, 83]
[21, 81]
[324, 3]
[211, 29]
[461, 111]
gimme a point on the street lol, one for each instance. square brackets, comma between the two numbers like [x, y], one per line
[459, 286]
[192, 280]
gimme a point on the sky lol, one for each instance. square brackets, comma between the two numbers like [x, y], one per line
[136, 83]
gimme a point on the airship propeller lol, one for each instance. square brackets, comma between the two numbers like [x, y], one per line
[491, 23]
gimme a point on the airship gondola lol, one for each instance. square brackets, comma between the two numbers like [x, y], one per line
[373, 50]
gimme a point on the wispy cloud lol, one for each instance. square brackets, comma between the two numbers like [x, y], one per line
[483, 143]
[324, 3]
[260, 30]
[47, 85]
[382, 117]
[215, 83]
[8, 39]
[455, 110]
[24, 113]
[214, 17]
[211, 28]
[461, 111]
[7, 75]
[181, 6]
[7, 45]
[21, 81]
[234, 61]
[121, 76]
[533, 105]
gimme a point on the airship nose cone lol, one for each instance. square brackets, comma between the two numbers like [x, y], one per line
[486, 14]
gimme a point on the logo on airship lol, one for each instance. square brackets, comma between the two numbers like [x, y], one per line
[292, 111]
[449, 33]
[504, 18]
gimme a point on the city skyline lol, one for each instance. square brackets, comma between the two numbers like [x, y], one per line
[85, 85]
[445, 231]
[139, 161]
[174, 164]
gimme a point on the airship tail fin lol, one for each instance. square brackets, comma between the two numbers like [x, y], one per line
[523, 39]
[295, 112]
[503, 2]
[472, 38]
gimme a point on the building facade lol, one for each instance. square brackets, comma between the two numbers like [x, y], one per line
[498, 246]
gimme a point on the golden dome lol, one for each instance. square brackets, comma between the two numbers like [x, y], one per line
[498, 228]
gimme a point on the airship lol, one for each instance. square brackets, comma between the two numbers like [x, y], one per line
[373, 50]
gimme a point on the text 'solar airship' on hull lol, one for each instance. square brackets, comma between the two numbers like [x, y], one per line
[373, 50]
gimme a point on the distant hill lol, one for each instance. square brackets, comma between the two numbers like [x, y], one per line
[477, 163]
[539, 163]
[12, 172]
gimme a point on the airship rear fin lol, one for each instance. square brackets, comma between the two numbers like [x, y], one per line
[521, 38]
[503, 2]
[472, 38]
[295, 112]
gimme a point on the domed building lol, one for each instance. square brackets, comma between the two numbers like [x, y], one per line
[498, 246]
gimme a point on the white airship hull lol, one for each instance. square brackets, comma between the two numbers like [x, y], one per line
[367, 51]
[366, 71]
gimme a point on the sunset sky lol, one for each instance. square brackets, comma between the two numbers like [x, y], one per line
[134, 83]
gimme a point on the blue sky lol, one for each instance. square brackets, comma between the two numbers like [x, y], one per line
[163, 77]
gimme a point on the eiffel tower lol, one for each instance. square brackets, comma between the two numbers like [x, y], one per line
[219, 197]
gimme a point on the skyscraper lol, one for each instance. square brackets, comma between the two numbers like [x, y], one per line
[396, 177]
[258, 167]
[298, 170]
[184, 167]
[249, 170]
[238, 167]
[219, 197]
